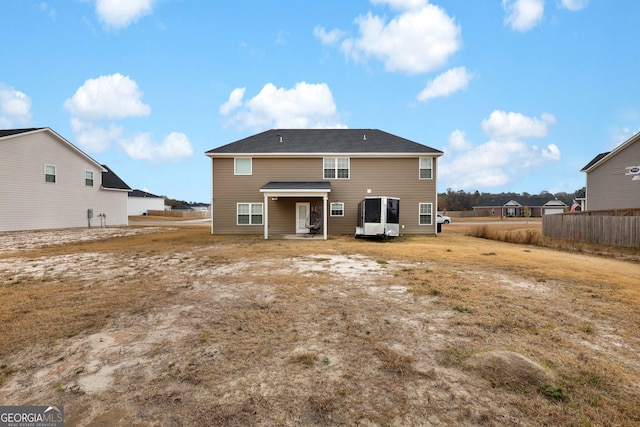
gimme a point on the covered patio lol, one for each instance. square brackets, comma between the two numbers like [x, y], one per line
[274, 190]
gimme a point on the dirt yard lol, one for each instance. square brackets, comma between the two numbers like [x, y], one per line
[170, 326]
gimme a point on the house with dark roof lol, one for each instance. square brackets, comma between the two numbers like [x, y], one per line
[47, 182]
[272, 183]
[141, 202]
[520, 206]
[613, 178]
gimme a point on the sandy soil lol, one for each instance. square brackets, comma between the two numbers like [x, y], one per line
[321, 336]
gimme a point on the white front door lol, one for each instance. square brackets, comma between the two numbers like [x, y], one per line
[302, 211]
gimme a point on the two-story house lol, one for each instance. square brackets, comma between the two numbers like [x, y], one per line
[270, 183]
[47, 182]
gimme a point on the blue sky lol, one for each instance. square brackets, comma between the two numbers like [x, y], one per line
[519, 94]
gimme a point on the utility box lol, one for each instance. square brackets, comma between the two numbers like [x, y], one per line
[378, 217]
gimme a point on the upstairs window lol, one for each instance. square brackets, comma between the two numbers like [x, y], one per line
[426, 168]
[336, 168]
[49, 173]
[242, 166]
[88, 178]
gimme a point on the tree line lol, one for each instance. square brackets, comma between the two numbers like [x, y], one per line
[463, 201]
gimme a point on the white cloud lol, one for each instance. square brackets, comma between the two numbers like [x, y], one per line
[418, 40]
[446, 83]
[458, 141]
[100, 102]
[500, 160]
[93, 137]
[306, 105]
[174, 147]
[574, 5]
[234, 101]
[107, 97]
[523, 15]
[328, 37]
[503, 126]
[15, 108]
[402, 4]
[118, 14]
[49, 10]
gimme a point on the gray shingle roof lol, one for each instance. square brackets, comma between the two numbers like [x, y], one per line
[295, 185]
[9, 132]
[595, 160]
[300, 141]
[111, 180]
[140, 193]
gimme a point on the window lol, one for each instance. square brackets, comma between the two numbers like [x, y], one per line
[337, 209]
[88, 178]
[249, 213]
[242, 166]
[426, 167]
[49, 173]
[425, 214]
[336, 168]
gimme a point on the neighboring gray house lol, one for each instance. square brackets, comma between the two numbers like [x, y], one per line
[613, 178]
[272, 182]
[46, 182]
[140, 202]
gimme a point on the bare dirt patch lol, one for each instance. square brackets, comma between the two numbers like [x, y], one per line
[172, 326]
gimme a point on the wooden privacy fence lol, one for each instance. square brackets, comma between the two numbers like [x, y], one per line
[180, 214]
[615, 228]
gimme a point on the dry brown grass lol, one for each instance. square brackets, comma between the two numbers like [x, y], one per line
[178, 327]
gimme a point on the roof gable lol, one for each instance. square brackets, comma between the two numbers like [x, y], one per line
[14, 133]
[323, 141]
[603, 157]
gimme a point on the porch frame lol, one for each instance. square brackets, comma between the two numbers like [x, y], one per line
[275, 190]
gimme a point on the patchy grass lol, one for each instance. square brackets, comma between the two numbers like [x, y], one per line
[175, 326]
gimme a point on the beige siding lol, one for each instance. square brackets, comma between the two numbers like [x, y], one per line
[607, 185]
[30, 203]
[396, 177]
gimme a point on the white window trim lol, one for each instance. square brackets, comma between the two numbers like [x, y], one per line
[55, 174]
[335, 168]
[331, 209]
[420, 214]
[235, 165]
[93, 180]
[250, 212]
[420, 167]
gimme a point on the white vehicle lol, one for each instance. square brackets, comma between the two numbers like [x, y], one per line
[442, 219]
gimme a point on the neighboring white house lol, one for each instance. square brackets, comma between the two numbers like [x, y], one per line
[613, 178]
[140, 202]
[47, 182]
